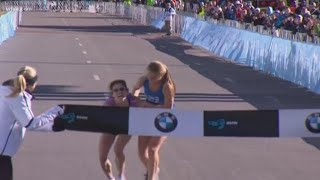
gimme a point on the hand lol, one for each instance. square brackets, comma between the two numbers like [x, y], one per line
[58, 125]
[61, 110]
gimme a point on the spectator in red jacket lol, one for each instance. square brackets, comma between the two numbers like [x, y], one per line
[294, 5]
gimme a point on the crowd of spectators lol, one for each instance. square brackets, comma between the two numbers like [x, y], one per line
[294, 16]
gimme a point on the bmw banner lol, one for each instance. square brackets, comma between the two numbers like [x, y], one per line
[261, 123]
[155, 122]
[299, 123]
[112, 120]
[186, 123]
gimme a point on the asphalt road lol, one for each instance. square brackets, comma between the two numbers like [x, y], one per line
[77, 55]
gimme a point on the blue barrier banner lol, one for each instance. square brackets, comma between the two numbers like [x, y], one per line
[297, 62]
[4, 28]
[8, 24]
[158, 23]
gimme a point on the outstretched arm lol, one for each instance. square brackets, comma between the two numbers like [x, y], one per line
[24, 115]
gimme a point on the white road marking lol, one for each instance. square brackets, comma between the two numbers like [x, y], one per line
[229, 80]
[189, 168]
[84, 52]
[273, 99]
[88, 62]
[80, 44]
[96, 77]
[77, 39]
[65, 22]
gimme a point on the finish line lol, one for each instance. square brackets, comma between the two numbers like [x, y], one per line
[183, 123]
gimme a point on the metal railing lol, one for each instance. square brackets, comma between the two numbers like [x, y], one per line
[66, 6]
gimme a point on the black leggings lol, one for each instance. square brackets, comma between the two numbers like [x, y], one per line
[6, 168]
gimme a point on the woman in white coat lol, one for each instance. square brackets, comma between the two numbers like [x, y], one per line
[16, 116]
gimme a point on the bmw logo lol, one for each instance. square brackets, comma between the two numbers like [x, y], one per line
[166, 122]
[313, 122]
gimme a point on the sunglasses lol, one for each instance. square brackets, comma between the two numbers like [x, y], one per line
[120, 89]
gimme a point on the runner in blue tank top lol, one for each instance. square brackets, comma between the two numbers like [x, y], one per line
[153, 97]
[160, 90]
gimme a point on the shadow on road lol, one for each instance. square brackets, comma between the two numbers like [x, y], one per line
[62, 93]
[313, 141]
[52, 89]
[88, 17]
[135, 29]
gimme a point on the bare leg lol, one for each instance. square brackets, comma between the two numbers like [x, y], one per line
[121, 142]
[106, 141]
[143, 149]
[154, 146]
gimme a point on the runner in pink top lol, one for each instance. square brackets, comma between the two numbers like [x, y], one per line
[120, 97]
[132, 100]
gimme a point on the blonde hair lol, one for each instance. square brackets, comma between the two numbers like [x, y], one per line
[26, 76]
[162, 69]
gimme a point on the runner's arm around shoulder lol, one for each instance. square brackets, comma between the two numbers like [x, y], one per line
[24, 115]
[141, 103]
[137, 87]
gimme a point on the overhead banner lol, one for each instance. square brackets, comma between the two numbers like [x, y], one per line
[300, 123]
[161, 122]
[184, 123]
[241, 123]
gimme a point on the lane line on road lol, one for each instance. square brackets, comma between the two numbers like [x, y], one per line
[65, 22]
[84, 52]
[96, 77]
[229, 80]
